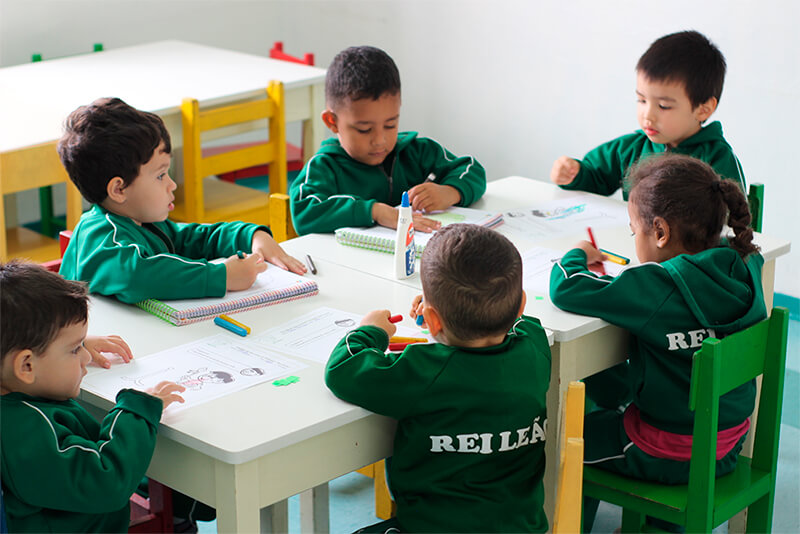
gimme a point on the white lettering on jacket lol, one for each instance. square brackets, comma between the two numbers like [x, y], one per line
[677, 340]
[482, 443]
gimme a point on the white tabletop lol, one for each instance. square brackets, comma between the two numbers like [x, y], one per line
[504, 195]
[35, 98]
[262, 419]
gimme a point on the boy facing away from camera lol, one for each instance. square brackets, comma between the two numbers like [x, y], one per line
[125, 246]
[469, 446]
[358, 177]
[61, 470]
[678, 86]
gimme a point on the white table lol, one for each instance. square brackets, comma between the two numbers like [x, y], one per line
[583, 345]
[249, 450]
[35, 98]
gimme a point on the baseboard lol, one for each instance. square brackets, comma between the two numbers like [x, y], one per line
[790, 302]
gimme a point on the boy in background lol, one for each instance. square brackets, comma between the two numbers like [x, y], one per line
[61, 470]
[469, 446]
[125, 246]
[357, 178]
[678, 86]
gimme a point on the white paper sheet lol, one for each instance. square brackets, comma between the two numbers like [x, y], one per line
[208, 368]
[314, 335]
[537, 263]
[563, 217]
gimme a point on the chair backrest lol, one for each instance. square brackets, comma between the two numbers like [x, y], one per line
[755, 198]
[276, 52]
[570, 478]
[719, 367]
[32, 168]
[196, 167]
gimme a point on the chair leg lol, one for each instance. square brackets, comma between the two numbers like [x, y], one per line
[385, 507]
[759, 514]
[632, 521]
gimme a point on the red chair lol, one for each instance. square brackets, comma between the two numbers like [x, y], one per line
[63, 240]
[294, 153]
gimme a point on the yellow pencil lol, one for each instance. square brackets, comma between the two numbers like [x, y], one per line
[234, 321]
[400, 339]
[615, 258]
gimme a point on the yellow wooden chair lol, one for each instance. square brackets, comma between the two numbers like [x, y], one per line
[202, 197]
[280, 217]
[570, 476]
[32, 168]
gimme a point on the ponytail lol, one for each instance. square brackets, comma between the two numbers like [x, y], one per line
[739, 217]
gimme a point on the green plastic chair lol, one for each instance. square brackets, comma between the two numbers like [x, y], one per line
[706, 502]
[755, 198]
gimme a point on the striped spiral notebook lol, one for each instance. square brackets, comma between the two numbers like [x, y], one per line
[273, 286]
[382, 239]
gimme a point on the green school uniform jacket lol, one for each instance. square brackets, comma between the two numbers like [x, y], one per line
[334, 190]
[670, 308]
[163, 260]
[469, 446]
[603, 169]
[62, 471]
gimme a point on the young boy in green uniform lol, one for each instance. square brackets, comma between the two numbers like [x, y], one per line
[469, 447]
[357, 178]
[688, 287]
[678, 86]
[62, 471]
[125, 246]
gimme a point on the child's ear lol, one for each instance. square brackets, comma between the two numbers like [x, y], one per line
[432, 319]
[23, 366]
[329, 118]
[662, 231]
[522, 304]
[116, 190]
[706, 109]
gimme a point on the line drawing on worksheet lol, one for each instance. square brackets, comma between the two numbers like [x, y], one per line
[564, 216]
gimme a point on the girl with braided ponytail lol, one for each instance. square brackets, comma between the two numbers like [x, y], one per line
[692, 283]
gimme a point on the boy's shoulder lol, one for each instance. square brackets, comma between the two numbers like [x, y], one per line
[23, 412]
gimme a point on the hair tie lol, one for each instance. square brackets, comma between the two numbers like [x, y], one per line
[716, 186]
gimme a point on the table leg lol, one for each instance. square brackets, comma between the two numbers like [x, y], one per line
[237, 497]
[314, 516]
[275, 518]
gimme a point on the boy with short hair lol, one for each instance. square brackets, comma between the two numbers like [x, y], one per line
[61, 470]
[125, 246]
[469, 446]
[678, 86]
[357, 178]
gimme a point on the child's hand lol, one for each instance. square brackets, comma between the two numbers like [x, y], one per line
[423, 224]
[564, 170]
[416, 308]
[385, 215]
[380, 318]
[592, 254]
[430, 196]
[112, 344]
[168, 392]
[242, 273]
[264, 244]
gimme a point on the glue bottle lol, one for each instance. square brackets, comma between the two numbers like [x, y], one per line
[405, 253]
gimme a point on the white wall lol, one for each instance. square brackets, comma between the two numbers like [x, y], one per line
[517, 83]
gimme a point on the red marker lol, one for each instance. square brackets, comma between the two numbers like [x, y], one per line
[395, 318]
[600, 269]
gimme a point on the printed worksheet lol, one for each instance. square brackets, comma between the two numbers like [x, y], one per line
[314, 335]
[537, 263]
[208, 368]
[565, 216]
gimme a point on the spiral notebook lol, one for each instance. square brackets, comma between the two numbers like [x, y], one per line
[381, 238]
[273, 286]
